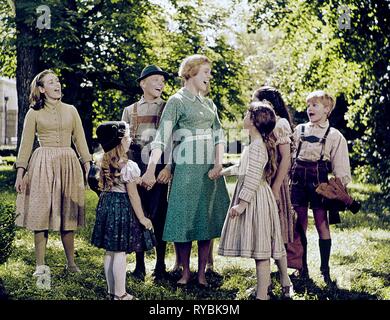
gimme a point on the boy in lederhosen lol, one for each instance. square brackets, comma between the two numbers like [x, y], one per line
[143, 118]
[320, 149]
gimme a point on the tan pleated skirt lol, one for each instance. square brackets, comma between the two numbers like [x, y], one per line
[54, 195]
[256, 233]
[287, 214]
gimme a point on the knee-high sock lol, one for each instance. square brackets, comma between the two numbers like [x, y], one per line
[108, 271]
[119, 273]
[160, 254]
[140, 261]
[263, 273]
[282, 267]
[325, 246]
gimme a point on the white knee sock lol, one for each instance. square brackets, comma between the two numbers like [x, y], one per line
[119, 273]
[108, 271]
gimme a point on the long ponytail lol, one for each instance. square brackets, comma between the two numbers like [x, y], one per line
[36, 98]
[264, 119]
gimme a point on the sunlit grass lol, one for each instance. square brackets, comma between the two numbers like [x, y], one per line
[359, 261]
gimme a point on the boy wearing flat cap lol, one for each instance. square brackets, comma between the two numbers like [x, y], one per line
[143, 118]
[320, 149]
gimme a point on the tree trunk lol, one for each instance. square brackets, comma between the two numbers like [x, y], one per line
[27, 52]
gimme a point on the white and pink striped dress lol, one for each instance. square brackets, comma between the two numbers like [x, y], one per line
[256, 232]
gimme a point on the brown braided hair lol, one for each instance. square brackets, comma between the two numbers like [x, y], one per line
[264, 119]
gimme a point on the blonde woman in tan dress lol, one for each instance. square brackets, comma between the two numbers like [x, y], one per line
[50, 184]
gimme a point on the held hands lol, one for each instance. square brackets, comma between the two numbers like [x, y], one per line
[138, 181]
[164, 176]
[215, 172]
[147, 223]
[237, 210]
[148, 180]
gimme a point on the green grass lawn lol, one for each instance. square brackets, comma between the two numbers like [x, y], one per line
[359, 261]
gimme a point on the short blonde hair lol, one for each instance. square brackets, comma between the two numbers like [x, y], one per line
[325, 98]
[190, 66]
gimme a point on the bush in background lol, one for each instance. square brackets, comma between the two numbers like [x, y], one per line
[7, 229]
[6, 151]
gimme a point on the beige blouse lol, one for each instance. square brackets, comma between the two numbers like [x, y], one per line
[282, 131]
[335, 151]
[55, 124]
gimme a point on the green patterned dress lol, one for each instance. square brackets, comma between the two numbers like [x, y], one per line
[197, 206]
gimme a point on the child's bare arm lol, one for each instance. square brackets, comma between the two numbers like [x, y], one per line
[136, 204]
[230, 171]
[282, 171]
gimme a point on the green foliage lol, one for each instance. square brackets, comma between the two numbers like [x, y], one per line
[7, 41]
[7, 229]
[100, 47]
[352, 64]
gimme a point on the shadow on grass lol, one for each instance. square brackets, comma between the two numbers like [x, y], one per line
[310, 290]
[374, 213]
[168, 288]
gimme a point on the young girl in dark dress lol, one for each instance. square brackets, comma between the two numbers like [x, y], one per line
[120, 220]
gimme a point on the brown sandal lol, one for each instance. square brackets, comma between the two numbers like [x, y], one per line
[125, 296]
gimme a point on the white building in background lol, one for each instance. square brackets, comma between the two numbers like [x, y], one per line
[8, 112]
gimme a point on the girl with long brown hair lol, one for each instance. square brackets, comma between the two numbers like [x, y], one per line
[252, 228]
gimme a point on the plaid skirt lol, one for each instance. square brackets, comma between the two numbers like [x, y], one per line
[116, 227]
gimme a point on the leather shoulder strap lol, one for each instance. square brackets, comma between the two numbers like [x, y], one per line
[300, 140]
[160, 113]
[134, 121]
[323, 141]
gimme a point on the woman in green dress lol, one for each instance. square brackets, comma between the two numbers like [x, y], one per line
[198, 200]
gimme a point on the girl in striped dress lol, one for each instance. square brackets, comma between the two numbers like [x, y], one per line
[252, 227]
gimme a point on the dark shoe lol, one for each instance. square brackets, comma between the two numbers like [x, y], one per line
[326, 276]
[270, 292]
[139, 274]
[287, 292]
[125, 296]
[160, 274]
[302, 274]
